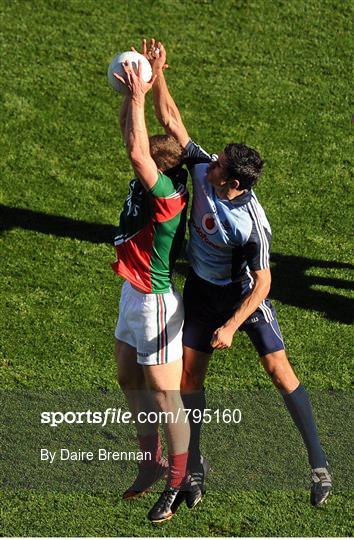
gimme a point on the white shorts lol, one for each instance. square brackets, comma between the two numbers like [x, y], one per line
[152, 324]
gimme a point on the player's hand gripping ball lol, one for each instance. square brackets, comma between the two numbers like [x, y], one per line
[116, 67]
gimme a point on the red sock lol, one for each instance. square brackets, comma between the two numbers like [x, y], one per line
[150, 444]
[177, 469]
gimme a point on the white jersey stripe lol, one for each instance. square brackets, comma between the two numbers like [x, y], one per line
[267, 312]
[256, 222]
[258, 227]
[266, 243]
[263, 309]
[176, 195]
[264, 255]
[265, 240]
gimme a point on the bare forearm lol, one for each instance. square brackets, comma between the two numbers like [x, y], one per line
[259, 292]
[123, 115]
[138, 144]
[165, 107]
[167, 111]
[223, 336]
[248, 306]
[136, 134]
[136, 137]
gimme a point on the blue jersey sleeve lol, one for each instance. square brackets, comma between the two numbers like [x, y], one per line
[194, 154]
[257, 248]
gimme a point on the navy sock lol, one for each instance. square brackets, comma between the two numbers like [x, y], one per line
[195, 401]
[299, 407]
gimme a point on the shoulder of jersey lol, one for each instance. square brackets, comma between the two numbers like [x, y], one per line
[242, 224]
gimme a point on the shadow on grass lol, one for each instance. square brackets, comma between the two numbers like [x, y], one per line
[292, 285]
[291, 282]
[11, 218]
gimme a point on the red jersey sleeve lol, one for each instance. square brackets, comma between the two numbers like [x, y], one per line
[167, 200]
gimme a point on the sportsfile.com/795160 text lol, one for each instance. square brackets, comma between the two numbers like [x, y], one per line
[120, 416]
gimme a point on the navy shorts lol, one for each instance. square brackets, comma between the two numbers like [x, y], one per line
[208, 306]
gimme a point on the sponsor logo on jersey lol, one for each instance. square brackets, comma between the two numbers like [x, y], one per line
[209, 224]
[203, 236]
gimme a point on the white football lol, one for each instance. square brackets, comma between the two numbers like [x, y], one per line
[116, 67]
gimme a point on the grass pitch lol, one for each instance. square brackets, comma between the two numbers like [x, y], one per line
[271, 73]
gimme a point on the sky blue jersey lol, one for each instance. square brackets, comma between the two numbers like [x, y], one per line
[228, 239]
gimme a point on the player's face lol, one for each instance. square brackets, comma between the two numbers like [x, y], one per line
[217, 173]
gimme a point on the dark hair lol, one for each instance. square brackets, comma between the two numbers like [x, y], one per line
[166, 151]
[243, 163]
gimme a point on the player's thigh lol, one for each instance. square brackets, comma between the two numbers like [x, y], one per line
[263, 330]
[197, 350]
[204, 312]
[165, 377]
[195, 367]
[130, 373]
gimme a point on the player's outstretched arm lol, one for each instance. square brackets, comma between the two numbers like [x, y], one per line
[166, 109]
[135, 134]
[123, 115]
[222, 337]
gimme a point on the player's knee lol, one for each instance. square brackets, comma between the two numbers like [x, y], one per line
[279, 369]
[278, 379]
[165, 399]
[274, 360]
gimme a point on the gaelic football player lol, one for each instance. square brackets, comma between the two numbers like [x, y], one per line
[149, 328]
[228, 283]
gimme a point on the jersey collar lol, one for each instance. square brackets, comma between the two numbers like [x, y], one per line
[241, 199]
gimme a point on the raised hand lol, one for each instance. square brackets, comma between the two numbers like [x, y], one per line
[134, 82]
[155, 54]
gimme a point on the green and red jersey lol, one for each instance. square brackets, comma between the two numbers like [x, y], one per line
[150, 233]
